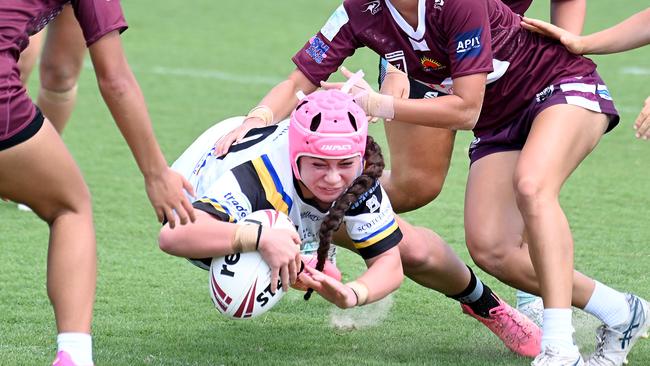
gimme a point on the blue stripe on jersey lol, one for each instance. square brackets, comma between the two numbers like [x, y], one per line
[278, 184]
[272, 185]
[377, 236]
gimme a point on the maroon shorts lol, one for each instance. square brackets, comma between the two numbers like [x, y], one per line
[589, 92]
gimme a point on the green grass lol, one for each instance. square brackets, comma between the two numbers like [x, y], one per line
[208, 60]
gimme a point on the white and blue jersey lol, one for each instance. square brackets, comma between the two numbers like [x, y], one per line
[256, 174]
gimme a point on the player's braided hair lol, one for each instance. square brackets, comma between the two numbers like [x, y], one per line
[374, 167]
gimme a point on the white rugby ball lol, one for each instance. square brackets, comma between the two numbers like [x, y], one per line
[240, 283]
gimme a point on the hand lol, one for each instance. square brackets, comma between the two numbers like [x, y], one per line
[165, 191]
[329, 288]
[236, 135]
[374, 104]
[280, 249]
[642, 122]
[572, 42]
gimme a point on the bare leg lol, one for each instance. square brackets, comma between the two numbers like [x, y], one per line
[61, 64]
[64, 203]
[494, 227]
[553, 150]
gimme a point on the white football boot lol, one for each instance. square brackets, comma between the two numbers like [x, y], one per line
[614, 343]
[552, 356]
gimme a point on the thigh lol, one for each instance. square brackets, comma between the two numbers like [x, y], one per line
[424, 149]
[493, 221]
[41, 173]
[560, 138]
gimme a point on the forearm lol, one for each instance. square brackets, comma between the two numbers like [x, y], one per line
[450, 112]
[569, 14]
[207, 237]
[632, 33]
[384, 275]
[282, 98]
[127, 106]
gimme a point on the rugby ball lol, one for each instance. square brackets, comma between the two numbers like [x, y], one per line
[240, 283]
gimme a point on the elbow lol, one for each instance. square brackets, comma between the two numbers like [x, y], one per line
[114, 86]
[169, 240]
[469, 118]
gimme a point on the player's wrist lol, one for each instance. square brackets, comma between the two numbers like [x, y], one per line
[360, 292]
[381, 105]
[262, 113]
[247, 238]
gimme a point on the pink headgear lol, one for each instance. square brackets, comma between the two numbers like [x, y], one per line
[327, 124]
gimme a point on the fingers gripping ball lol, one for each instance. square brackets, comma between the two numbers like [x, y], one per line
[240, 283]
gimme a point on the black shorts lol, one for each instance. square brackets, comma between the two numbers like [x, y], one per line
[26, 133]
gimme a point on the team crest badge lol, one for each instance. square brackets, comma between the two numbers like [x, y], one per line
[429, 64]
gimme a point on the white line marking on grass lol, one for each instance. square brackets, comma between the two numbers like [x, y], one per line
[636, 70]
[204, 74]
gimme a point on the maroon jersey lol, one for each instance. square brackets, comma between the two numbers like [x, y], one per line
[21, 18]
[518, 6]
[453, 38]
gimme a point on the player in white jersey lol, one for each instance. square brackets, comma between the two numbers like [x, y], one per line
[322, 170]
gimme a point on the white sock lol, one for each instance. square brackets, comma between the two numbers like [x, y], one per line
[558, 330]
[608, 305]
[78, 345]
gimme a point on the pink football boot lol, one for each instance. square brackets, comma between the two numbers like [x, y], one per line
[517, 332]
[63, 359]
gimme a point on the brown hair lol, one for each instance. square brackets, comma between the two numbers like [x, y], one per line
[374, 167]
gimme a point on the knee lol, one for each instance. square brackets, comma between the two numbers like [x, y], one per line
[77, 204]
[531, 193]
[490, 252]
[58, 76]
[168, 240]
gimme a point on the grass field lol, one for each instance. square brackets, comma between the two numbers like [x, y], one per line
[206, 60]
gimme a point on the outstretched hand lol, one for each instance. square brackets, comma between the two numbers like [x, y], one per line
[329, 288]
[374, 104]
[642, 122]
[165, 191]
[223, 144]
[572, 42]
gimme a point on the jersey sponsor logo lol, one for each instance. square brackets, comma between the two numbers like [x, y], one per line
[317, 49]
[379, 219]
[373, 204]
[397, 59]
[468, 44]
[544, 94]
[308, 215]
[372, 6]
[429, 64]
[241, 210]
[333, 25]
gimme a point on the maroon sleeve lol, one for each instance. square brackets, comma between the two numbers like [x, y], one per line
[98, 18]
[325, 52]
[467, 27]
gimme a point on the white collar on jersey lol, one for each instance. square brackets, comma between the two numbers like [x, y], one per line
[416, 34]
